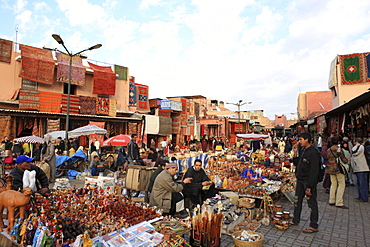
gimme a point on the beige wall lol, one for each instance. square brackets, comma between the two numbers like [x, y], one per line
[302, 106]
[10, 82]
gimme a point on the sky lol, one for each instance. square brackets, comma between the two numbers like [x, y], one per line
[260, 51]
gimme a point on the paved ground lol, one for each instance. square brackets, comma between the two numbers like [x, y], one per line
[337, 227]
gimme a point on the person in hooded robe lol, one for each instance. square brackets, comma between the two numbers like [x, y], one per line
[201, 187]
[48, 155]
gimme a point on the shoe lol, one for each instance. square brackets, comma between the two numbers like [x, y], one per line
[342, 207]
[310, 230]
[352, 184]
[332, 204]
[360, 201]
[293, 224]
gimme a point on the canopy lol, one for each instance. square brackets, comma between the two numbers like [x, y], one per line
[87, 130]
[55, 134]
[29, 139]
[119, 140]
[252, 136]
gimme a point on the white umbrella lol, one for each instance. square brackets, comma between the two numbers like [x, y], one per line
[29, 139]
[55, 134]
[87, 130]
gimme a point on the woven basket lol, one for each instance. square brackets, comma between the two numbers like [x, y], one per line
[240, 243]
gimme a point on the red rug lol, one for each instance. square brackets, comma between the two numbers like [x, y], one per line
[98, 137]
[29, 100]
[50, 102]
[104, 80]
[74, 104]
[87, 105]
[165, 113]
[102, 106]
[77, 73]
[37, 64]
[5, 127]
[142, 98]
[6, 47]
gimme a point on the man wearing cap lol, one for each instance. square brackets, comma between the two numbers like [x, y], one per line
[165, 193]
[24, 163]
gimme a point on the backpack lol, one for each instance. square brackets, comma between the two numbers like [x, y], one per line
[367, 155]
[321, 175]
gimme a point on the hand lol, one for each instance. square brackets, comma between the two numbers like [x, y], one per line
[44, 190]
[205, 183]
[187, 180]
[308, 192]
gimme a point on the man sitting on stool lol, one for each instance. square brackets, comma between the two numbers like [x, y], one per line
[166, 192]
[201, 187]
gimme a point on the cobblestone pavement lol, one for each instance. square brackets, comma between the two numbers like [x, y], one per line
[337, 227]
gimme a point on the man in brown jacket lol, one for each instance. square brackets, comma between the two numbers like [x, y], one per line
[165, 192]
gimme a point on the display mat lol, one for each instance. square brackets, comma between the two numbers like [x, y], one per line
[104, 80]
[5, 50]
[37, 64]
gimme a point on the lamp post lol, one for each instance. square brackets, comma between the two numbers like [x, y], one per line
[71, 55]
[239, 104]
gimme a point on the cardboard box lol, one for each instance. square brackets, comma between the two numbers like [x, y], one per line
[106, 183]
[232, 195]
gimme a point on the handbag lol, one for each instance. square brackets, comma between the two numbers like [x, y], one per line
[343, 167]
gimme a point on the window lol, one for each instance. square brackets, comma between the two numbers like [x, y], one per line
[73, 89]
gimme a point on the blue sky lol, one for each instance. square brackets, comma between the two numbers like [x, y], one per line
[266, 52]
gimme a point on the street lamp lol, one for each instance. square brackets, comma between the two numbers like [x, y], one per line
[239, 104]
[71, 55]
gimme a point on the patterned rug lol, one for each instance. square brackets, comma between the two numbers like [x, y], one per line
[35, 128]
[77, 73]
[102, 106]
[37, 64]
[6, 47]
[121, 71]
[184, 113]
[353, 69]
[74, 104]
[98, 137]
[112, 107]
[50, 102]
[87, 105]
[165, 113]
[53, 125]
[29, 85]
[142, 98]
[104, 80]
[132, 92]
[29, 100]
[5, 127]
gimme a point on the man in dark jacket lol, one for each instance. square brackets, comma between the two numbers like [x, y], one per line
[133, 151]
[201, 187]
[154, 175]
[24, 163]
[307, 172]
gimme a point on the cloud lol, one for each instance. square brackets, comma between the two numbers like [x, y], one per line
[41, 6]
[148, 3]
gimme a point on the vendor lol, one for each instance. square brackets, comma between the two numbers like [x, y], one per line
[166, 192]
[24, 163]
[201, 187]
[97, 166]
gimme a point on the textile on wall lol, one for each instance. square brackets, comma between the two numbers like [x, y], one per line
[352, 68]
[121, 71]
[102, 106]
[112, 108]
[104, 80]
[37, 64]
[35, 128]
[29, 85]
[29, 100]
[100, 138]
[132, 92]
[74, 104]
[41, 128]
[142, 98]
[332, 82]
[50, 102]
[5, 126]
[367, 60]
[165, 113]
[87, 105]
[132, 128]
[176, 124]
[184, 113]
[20, 126]
[6, 48]
[77, 73]
[52, 125]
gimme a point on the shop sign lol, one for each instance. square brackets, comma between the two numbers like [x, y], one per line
[176, 106]
[165, 104]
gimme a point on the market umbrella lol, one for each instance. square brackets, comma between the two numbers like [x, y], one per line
[119, 140]
[252, 136]
[30, 139]
[87, 130]
[56, 134]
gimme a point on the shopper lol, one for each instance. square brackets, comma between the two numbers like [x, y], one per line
[361, 169]
[48, 155]
[337, 176]
[133, 151]
[307, 173]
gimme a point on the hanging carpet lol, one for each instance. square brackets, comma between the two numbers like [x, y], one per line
[77, 73]
[112, 107]
[37, 64]
[352, 68]
[53, 125]
[102, 106]
[121, 71]
[50, 102]
[87, 105]
[29, 100]
[6, 47]
[132, 92]
[104, 80]
[142, 98]
[5, 126]
[74, 104]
